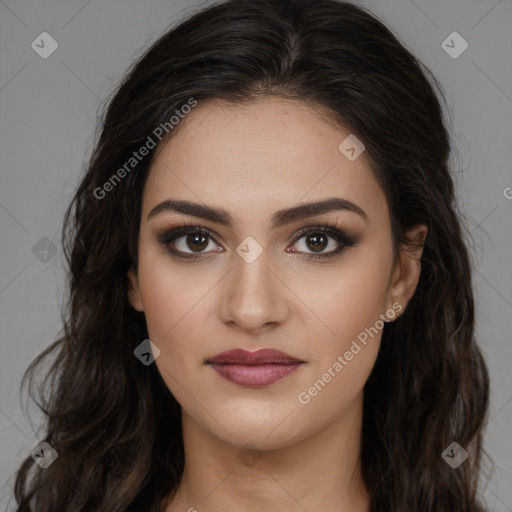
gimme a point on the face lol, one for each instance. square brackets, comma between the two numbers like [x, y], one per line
[260, 271]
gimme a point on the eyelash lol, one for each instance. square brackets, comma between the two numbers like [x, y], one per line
[345, 240]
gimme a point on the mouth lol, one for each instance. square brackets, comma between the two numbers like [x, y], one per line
[254, 369]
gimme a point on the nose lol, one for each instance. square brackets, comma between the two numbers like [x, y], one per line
[254, 297]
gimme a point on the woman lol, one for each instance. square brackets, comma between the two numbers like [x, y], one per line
[270, 292]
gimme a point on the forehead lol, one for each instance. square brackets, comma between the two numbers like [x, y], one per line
[258, 157]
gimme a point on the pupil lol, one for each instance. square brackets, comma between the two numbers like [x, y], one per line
[194, 238]
[316, 245]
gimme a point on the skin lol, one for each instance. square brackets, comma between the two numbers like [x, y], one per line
[252, 160]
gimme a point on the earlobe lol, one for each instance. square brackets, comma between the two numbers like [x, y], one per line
[133, 290]
[408, 267]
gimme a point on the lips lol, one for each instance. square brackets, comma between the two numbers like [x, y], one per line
[262, 356]
[254, 369]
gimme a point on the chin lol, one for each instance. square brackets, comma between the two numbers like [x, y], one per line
[267, 431]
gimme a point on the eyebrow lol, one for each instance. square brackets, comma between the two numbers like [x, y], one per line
[279, 218]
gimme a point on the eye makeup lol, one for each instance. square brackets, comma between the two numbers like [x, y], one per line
[194, 234]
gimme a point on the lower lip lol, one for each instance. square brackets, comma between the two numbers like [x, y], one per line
[255, 376]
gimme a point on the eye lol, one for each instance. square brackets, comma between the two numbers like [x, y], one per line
[195, 242]
[194, 239]
[319, 238]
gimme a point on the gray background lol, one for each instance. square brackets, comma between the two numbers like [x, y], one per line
[48, 115]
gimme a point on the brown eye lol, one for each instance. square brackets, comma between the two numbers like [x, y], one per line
[317, 242]
[320, 242]
[318, 239]
[197, 241]
[188, 242]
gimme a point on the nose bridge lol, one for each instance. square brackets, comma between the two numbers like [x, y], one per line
[252, 299]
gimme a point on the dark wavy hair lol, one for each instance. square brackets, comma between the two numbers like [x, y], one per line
[113, 422]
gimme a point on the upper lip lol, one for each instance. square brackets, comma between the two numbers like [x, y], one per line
[261, 356]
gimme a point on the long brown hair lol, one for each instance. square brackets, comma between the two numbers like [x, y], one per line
[113, 422]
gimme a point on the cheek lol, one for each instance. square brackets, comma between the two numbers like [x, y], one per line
[354, 297]
[176, 324]
[359, 303]
[176, 308]
[169, 291]
[351, 310]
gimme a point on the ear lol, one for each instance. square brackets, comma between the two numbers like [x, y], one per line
[406, 273]
[134, 295]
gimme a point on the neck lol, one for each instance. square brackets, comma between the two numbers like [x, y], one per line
[320, 472]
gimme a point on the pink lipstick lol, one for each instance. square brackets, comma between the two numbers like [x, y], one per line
[254, 369]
